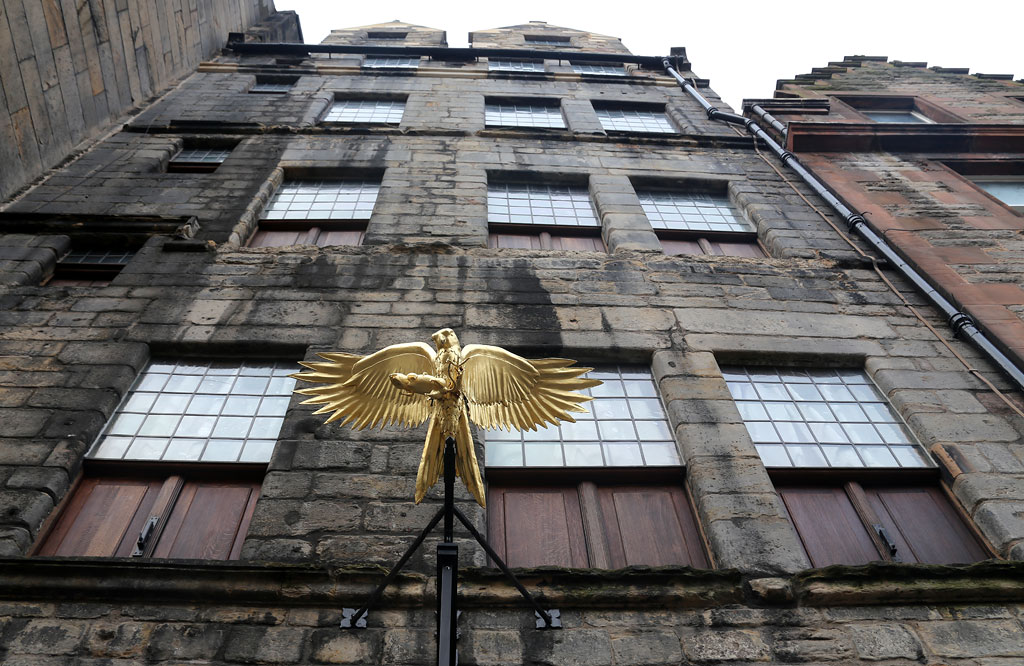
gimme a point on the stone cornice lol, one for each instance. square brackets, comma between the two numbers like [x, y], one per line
[906, 138]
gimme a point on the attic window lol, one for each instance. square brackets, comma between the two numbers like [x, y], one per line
[547, 40]
[390, 36]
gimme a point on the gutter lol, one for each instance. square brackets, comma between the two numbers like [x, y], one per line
[961, 323]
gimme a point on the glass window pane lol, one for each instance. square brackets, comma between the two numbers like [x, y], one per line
[504, 454]
[841, 456]
[257, 450]
[222, 450]
[806, 456]
[543, 454]
[175, 416]
[660, 453]
[623, 455]
[773, 455]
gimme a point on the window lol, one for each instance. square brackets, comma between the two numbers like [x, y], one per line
[698, 223]
[388, 62]
[899, 109]
[151, 487]
[897, 117]
[89, 267]
[515, 66]
[821, 418]
[534, 216]
[528, 114]
[198, 160]
[1009, 189]
[603, 492]
[317, 212]
[197, 410]
[546, 40]
[273, 85]
[634, 120]
[366, 111]
[626, 427]
[598, 69]
[838, 419]
[388, 36]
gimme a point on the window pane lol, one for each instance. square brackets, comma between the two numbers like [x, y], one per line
[840, 410]
[634, 120]
[691, 211]
[365, 111]
[323, 200]
[547, 205]
[523, 115]
[625, 415]
[196, 401]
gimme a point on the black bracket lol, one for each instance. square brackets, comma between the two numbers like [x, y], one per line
[889, 543]
[447, 579]
[144, 536]
[554, 620]
[346, 619]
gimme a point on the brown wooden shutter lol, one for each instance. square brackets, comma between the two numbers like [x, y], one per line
[577, 243]
[532, 527]
[209, 521]
[650, 525]
[924, 525]
[103, 519]
[195, 519]
[609, 526]
[828, 525]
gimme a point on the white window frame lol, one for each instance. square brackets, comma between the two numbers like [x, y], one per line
[365, 112]
[516, 114]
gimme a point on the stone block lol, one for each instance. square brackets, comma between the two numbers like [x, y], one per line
[124, 640]
[812, 645]
[972, 639]
[491, 648]
[172, 642]
[265, 645]
[569, 647]
[648, 647]
[337, 646]
[704, 645]
[881, 641]
[47, 637]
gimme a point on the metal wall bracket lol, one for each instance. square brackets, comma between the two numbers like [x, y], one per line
[144, 536]
[346, 619]
[556, 619]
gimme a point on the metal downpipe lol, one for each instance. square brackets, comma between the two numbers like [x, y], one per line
[960, 321]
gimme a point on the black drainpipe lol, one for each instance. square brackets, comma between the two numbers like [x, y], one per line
[961, 322]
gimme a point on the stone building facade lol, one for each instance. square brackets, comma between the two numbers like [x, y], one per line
[789, 461]
[72, 70]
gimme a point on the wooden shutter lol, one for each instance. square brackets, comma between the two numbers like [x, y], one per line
[577, 243]
[277, 237]
[208, 521]
[531, 527]
[514, 241]
[924, 525]
[610, 526]
[828, 525]
[103, 519]
[195, 519]
[673, 246]
[330, 237]
[650, 525]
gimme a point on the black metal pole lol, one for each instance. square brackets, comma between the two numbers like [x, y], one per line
[448, 568]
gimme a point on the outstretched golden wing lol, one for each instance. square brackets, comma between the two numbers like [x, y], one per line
[358, 389]
[507, 391]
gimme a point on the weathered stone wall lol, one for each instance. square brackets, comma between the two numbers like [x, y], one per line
[338, 499]
[69, 70]
[974, 98]
[514, 37]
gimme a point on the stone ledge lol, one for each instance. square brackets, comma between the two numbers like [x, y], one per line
[883, 583]
[66, 579]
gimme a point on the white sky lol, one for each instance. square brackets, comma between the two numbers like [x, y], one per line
[742, 46]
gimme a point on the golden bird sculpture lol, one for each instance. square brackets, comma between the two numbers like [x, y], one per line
[408, 383]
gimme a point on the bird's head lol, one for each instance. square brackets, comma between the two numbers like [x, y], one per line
[445, 339]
